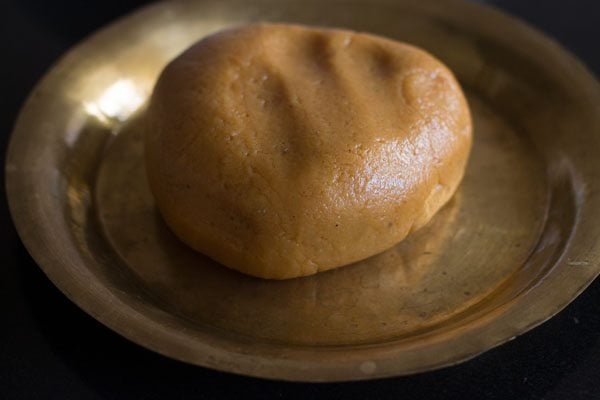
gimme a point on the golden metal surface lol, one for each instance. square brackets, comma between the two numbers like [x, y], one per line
[518, 242]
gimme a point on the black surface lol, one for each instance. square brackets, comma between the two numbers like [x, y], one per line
[49, 349]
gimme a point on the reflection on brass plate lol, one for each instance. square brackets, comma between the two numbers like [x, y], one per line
[516, 244]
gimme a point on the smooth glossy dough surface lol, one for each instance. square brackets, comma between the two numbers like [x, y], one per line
[281, 150]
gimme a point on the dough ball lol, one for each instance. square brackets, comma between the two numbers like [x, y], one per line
[282, 151]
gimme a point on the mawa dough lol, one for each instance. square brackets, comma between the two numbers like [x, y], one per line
[281, 150]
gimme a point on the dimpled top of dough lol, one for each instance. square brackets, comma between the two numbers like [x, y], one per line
[281, 151]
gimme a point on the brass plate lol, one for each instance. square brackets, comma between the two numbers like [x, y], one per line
[517, 243]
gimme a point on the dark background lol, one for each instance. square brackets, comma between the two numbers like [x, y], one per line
[49, 349]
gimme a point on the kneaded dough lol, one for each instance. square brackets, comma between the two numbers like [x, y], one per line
[282, 150]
